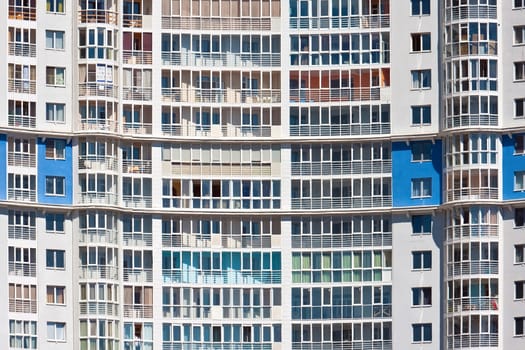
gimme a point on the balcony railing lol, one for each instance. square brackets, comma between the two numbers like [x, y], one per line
[335, 95]
[219, 131]
[21, 195]
[22, 86]
[340, 130]
[22, 269]
[221, 95]
[21, 121]
[217, 23]
[248, 170]
[138, 311]
[96, 272]
[345, 345]
[482, 230]
[471, 12]
[137, 93]
[222, 277]
[131, 21]
[472, 268]
[217, 346]
[472, 304]
[97, 16]
[354, 22]
[22, 49]
[97, 163]
[98, 235]
[21, 232]
[98, 198]
[130, 201]
[212, 203]
[461, 121]
[186, 311]
[221, 59]
[138, 275]
[26, 306]
[137, 239]
[98, 89]
[98, 308]
[21, 159]
[341, 168]
[468, 341]
[137, 128]
[137, 57]
[341, 203]
[342, 241]
[104, 125]
[135, 166]
[472, 194]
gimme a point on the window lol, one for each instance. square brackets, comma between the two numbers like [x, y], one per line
[519, 180]
[519, 286]
[421, 151]
[55, 149]
[55, 259]
[519, 107]
[519, 71]
[422, 260]
[420, 7]
[421, 115]
[518, 4]
[55, 295]
[519, 253]
[56, 331]
[420, 42]
[54, 40]
[421, 79]
[54, 223]
[422, 296]
[421, 224]
[55, 185]
[422, 332]
[56, 6]
[421, 187]
[55, 112]
[518, 326]
[55, 76]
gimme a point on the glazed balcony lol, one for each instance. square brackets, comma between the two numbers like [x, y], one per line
[98, 198]
[138, 275]
[341, 168]
[233, 96]
[98, 308]
[21, 121]
[138, 311]
[472, 268]
[472, 194]
[100, 125]
[25, 195]
[472, 304]
[342, 241]
[135, 166]
[135, 12]
[21, 159]
[137, 57]
[137, 239]
[216, 23]
[222, 277]
[341, 203]
[374, 21]
[22, 13]
[22, 269]
[340, 130]
[221, 59]
[22, 86]
[21, 49]
[25, 306]
[97, 89]
[21, 232]
[86, 16]
[134, 201]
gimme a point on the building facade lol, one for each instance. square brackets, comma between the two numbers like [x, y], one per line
[262, 174]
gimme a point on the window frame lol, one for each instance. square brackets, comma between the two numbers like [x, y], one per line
[58, 153]
[419, 42]
[52, 6]
[53, 218]
[52, 35]
[519, 71]
[517, 322]
[421, 328]
[55, 72]
[419, 297]
[519, 248]
[519, 107]
[56, 186]
[55, 111]
[522, 284]
[519, 186]
[419, 115]
[54, 325]
[420, 222]
[419, 256]
[421, 183]
[53, 264]
[55, 292]
[421, 79]
[421, 9]
[419, 152]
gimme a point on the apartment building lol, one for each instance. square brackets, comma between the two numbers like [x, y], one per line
[262, 174]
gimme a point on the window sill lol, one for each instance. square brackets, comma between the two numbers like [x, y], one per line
[422, 197]
[56, 13]
[420, 125]
[421, 89]
[421, 306]
[55, 195]
[421, 161]
[422, 51]
[47, 158]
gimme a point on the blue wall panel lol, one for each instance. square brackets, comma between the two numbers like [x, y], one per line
[55, 167]
[511, 163]
[404, 170]
[3, 167]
